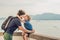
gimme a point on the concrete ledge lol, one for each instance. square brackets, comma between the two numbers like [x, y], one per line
[40, 37]
[35, 36]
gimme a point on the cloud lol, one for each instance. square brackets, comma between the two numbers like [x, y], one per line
[30, 6]
[15, 3]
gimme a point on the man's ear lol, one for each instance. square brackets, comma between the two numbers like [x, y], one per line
[21, 17]
[17, 15]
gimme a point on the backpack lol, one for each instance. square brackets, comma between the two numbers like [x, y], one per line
[5, 24]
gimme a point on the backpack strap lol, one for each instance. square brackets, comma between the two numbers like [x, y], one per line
[7, 23]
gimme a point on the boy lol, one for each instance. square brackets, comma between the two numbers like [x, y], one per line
[27, 25]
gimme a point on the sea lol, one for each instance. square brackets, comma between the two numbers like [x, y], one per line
[44, 27]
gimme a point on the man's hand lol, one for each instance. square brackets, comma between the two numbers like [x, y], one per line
[33, 30]
[25, 30]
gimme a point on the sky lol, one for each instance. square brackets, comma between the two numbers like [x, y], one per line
[31, 7]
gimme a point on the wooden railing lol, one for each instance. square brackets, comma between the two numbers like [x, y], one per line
[34, 36]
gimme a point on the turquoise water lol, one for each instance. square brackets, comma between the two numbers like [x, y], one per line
[44, 27]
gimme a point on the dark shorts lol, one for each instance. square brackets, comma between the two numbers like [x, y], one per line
[28, 34]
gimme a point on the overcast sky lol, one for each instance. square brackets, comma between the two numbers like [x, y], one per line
[32, 7]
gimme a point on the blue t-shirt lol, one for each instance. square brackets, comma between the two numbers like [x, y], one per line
[27, 25]
[13, 25]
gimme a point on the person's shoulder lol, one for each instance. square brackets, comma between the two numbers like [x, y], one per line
[16, 19]
[27, 22]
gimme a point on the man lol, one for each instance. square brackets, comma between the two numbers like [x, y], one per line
[13, 25]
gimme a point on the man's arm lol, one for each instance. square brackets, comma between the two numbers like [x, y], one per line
[18, 23]
[24, 30]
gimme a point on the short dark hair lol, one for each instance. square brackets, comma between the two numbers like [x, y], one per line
[20, 12]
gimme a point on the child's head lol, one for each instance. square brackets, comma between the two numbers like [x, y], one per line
[27, 17]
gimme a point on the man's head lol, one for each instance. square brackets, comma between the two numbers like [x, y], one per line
[20, 13]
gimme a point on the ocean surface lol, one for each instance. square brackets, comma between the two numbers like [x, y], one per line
[44, 27]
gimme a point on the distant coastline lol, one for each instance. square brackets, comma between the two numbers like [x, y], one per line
[44, 16]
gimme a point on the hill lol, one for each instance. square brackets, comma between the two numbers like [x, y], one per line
[46, 16]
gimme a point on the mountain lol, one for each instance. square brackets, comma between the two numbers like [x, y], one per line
[46, 16]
